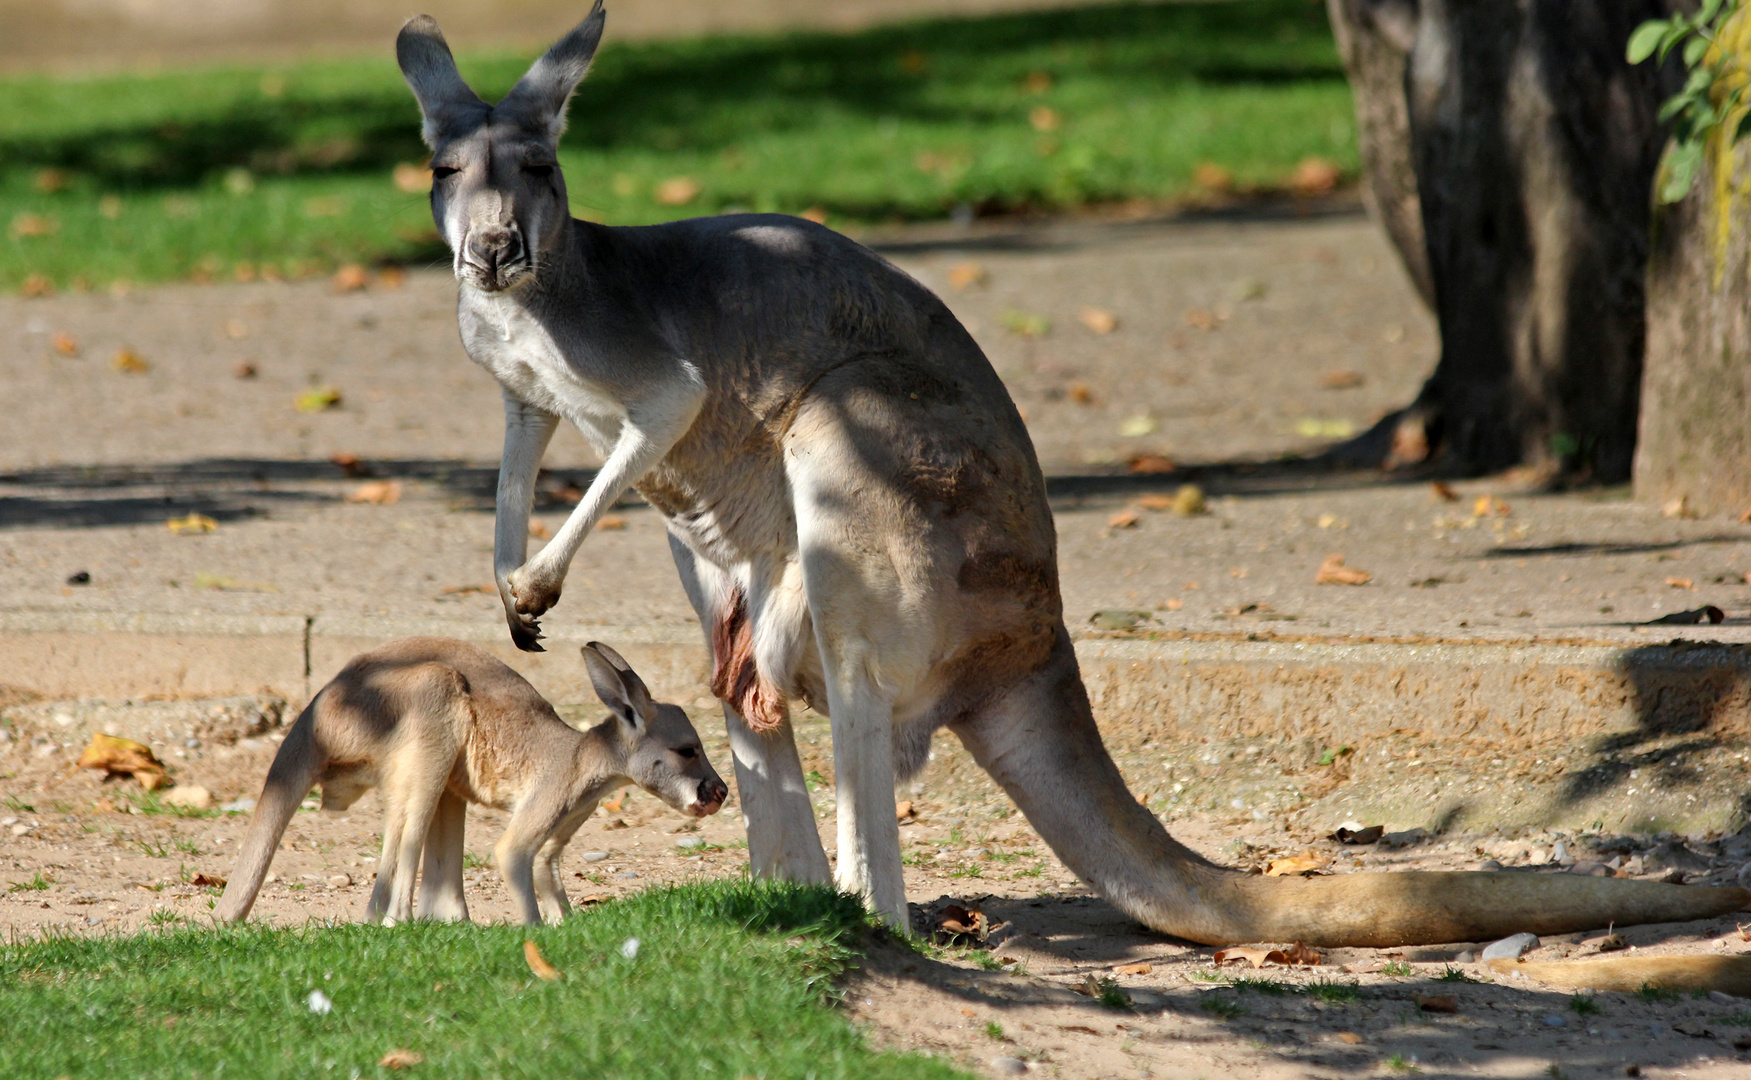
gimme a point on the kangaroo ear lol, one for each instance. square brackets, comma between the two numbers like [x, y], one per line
[540, 96]
[616, 684]
[445, 101]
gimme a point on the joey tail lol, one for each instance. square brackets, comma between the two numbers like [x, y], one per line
[294, 772]
[1039, 741]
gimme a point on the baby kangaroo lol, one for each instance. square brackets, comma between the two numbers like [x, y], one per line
[439, 724]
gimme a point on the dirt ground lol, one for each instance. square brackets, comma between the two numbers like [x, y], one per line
[78, 855]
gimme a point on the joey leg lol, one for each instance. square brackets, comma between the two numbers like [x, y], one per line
[440, 893]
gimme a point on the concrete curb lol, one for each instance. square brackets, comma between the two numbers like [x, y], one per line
[1511, 695]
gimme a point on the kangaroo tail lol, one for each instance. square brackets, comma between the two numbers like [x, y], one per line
[1039, 741]
[296, 766]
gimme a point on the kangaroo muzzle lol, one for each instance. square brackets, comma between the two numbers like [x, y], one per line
[712, 794]
[497, 256]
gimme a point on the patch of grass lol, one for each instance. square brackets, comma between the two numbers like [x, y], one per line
[288, 170]
[970, 870]
[471, 861]
[187, 847]
[162, 918]
[1333, 991]
[994, 1030]
[145, 802]
[154, 849]
[1453, 974]
[1032, 871]
[1397, 1063]
[1226, 1008]
[1583, 1005]
[1111, 996]
[1262, 986]
[730, 980]
[1397, 968]
[35, 884]
[1651, 993]
[18, 805]
[1739, 1019]
[985, 960]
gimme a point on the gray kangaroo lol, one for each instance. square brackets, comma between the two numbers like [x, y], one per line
[439, 724]
[859, 520]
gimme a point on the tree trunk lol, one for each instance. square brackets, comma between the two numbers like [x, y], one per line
[1696, 395]
[1374, 39]
[1534, 145]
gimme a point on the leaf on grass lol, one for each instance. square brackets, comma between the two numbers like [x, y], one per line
[123, 757]
[1333, 572]
[412, 178]
[1308, 862]
[963, 276]
[1124, 519]
[1098, 320]
[1441, 1003]
[1359, 836]
[1314, 176]
[36, 286]
[1044, 118]
[1142, 967]
[676, 191]
[401, 1057]
[192, 524]
[128, 362]
[317, 399]
[1212, 177]
[1149, 465]
[377, 493]
[32, 225]
[537, 963]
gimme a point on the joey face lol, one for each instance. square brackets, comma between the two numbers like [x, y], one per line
[667, 760]
[497, 194]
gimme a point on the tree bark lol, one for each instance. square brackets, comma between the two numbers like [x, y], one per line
[1696, 396]
[1534, 145]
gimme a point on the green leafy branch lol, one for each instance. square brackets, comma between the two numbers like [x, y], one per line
[1713, 95]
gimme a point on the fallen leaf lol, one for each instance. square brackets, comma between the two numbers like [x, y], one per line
[1030, 324]
[403, 1058]
[1707, 613]
[1098, 320]
[128, 362]
[207, 881]
[1173, 603]
[1118, 620]
[463, 590]
[1258, 958]
[30, 225]
[676, 191]
[1142, 967]
[50, 181]
[950, 921]
[537, 964]
[1358, 836]
[1349, 1038]
[194, 523]
[317, 399]
[613, 805]
[1212, 177]
[1080, 393]
[1135, 427]
[1442, 492]
[1314, 176]
[1038, 82]
[411, 178]
[1308, 862]
[1124, 519]
[123, 757]
[1156, 502]
[1044, 118]
[968, 1012]
[1333, 572]
[65, 344]
[36, 286]
[1151, 465]
[1202, 319]
[1300, 954]
[1340, 380]
[611, 523]
[244, 370]
[351, 465]
[392, 277]
[1441, 1003]
[1485, 505]
[1188, 501]
[963, 276]
[905, 812]
[539, 531]
[350, 278]
[1681, 583]
[377, 493]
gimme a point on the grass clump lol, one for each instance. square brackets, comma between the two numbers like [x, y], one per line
[1653, 994]
[1453, 974]
[1333, 991]
[289, 170]
[35, 884]
[1583, 1005]
[1398, 969]
[1226, 1008]
[730, 980]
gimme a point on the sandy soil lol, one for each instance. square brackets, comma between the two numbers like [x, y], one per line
[109, 868]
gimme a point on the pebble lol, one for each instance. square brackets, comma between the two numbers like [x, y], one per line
[1009, 1066]
[1466, 957]
[340, 881]
[1590, 869]
[1489, 864]
[690, 842]
[8, 821]
[627, 874]
[189, 797]
[595, 856]
[1537, 856]
[238, 806]
[1510, 948]
[1555, 1021]
[1725, 999]
[1560, 854]
[20, 829]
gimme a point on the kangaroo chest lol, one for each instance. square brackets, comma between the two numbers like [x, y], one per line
[502, 337]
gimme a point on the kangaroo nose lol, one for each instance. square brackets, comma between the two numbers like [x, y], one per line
[493, 248]
[712, 793]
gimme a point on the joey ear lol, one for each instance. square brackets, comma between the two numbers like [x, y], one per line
[445, 100]
[541, 95]
[616, 684]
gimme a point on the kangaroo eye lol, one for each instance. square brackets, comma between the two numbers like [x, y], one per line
[686, 753]
[443, 172]
[540, 172]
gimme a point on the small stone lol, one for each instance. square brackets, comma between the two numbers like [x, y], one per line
[8, 822]
[690, 842]
[1537, 856]
[1590, 869]
[1489, 865]
[1555, 1021]
[340, 881]
[189, 797]
[319, 1003]
[1725, 999]
[20, 829]
[1466, 957]
[627, 874]
[1009, 1066]
[1560, 854]
[595, 856]
[1510, 948]
[238, 806]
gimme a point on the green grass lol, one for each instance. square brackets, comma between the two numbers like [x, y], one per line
[288, 170]
[1453, 974]
[1398, 969]
[1583, 1005]
[1655, 994]
[731, 979]
[1341, 993]
[1225, 1008]
[35, 884]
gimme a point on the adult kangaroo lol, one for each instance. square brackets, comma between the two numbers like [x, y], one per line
[857, 515]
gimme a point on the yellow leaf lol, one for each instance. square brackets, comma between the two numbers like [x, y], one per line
[194, 523]
[1098, 320]
[538, 965]
[317, 399]
[1308, 862]
[123, 757]
[128, 362]
[377, 493]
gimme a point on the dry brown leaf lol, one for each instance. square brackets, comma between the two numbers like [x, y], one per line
[350, 278]
[1038, 82]
[1485, 505]
[963, 276]
[1080, 393]
[1173, 603]
[1142, 967]
[1300, 953]
[539, 531]
[904, 811]
[65, 344]
[1149, 465]
[1212, 177]
[537, 964]
[1442, 492]
[1202, 319]
[1308, 862]
[1124, 519]
[1340, 380]
[207, 881]
[1156, 502]
[1681, 583]
[377, 493]
[1098, 320]
[1044, 118]
[1333, 572]
[611, 523]
[192, 524]
[128, 362]
[676, 191]
[123, 757]
[613, 805]
[1359, 836]
[1441, 1003]
[401, 1057]
[351, 465]
[36, 286]
[27, 225]
[1349, 1038]
[1314, 176]
[1258, 958]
